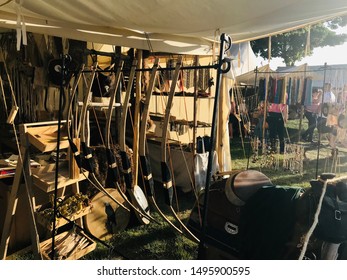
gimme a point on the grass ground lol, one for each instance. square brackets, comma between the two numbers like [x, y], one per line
[159, 241]
[155, 241]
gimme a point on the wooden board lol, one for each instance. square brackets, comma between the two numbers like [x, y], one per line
[44, 138]
[96, 222]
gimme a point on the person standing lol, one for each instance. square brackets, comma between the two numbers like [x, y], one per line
[233, 121]
[276, 118]
[328, 104]
[311, 112]
[329, 96]
[329, 99]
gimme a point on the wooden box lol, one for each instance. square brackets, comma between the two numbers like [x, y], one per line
[69, 245]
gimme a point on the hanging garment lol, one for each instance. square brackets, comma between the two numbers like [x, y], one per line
[307, 98]
[296, 94]
[300, 91]
[279, 91]
[284, 93]
[289, 91]
[272, 90]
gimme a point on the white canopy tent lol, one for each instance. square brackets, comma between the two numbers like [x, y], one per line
[252, 77]
[244, 59]
[178, 26]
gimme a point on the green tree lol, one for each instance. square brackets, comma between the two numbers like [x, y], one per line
[294, 45]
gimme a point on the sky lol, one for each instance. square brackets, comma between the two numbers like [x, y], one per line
[329, 55]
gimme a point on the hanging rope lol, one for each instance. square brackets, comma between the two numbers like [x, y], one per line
[149, 43]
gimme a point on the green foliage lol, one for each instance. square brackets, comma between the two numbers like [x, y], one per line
[291, 46]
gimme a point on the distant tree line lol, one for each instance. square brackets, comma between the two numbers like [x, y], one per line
[294, 45]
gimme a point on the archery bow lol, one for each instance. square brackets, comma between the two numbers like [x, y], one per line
[145, 164]
[112, 163]
[86, 150]
[134, 191]
[165, 170]
[125, 160]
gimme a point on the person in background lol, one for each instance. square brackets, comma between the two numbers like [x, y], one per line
[341, 135]
[329, 99]
[329, 96]
[276, 118]
[237, 116]
[311, 113]
[233, 121]
[258, 129]
[328, 104]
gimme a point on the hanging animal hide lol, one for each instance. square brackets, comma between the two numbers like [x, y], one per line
[101, 165]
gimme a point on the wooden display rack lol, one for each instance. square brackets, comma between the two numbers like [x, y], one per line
[41, 136]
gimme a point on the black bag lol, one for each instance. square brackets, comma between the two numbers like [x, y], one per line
[223, 219]
[332, 219]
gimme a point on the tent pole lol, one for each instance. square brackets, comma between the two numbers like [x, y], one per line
[249, 137]
[302, 106]
[225, 44]
[195, 109]
[320, 122]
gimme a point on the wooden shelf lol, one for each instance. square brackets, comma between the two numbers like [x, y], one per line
[44, 177]
[7, 172]
[8, 166]
[158, 140]
[45, 221]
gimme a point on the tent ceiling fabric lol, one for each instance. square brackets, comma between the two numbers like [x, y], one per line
[181, 26]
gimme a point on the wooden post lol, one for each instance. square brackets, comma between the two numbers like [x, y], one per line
[74, 171]
[22, 169]
[137, 117]
[195, 121]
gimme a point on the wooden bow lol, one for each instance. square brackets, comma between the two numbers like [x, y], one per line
[165, 170]
[145, 163]
[135, 192]
[127, 173]
[112, 163]
[89, 165]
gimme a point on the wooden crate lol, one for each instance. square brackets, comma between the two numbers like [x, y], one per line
[61, 241]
